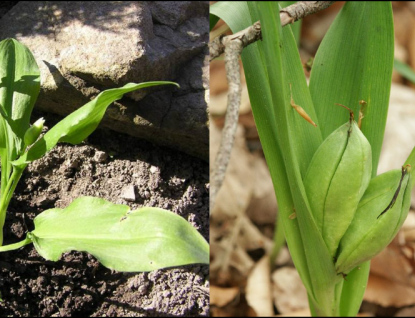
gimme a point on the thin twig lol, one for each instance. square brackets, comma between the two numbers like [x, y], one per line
[233, 45]
[232, 52]
[252, 33]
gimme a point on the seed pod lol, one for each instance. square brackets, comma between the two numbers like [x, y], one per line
[336, 180]
[378, 218]
[33, 132]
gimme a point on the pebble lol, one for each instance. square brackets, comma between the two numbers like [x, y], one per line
[100, 156]
[128, 193]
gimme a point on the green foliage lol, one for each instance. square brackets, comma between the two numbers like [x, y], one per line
[120, 239]
[354, 62]
[124, 240]
[404, 69]
[19, 88]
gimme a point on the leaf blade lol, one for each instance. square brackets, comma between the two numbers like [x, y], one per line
[81, 123]
[19, 88]
[123, 240]
[354, 62]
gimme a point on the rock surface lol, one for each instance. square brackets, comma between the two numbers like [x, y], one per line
[83, 48]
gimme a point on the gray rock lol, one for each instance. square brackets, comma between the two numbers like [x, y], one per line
[128, 193]
[100, 156]
[85, 47]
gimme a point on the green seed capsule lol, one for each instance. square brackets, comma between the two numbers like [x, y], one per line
[336, 180]
[33, 132]
[378, 218]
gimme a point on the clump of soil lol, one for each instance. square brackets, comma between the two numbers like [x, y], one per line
[123, 170]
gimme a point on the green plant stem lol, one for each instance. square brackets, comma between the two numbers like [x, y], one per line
[279, 239]
[334, 309]
[15, 246]
[7, 196]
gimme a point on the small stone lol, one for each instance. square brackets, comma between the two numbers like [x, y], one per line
[153, 169]
[100, 156]
[128, 193]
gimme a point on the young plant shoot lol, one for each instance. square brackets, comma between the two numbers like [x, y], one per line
[123, 240]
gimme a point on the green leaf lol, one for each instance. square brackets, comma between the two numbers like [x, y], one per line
[260, 64]
[212, 21]
[296, 26]
[81, 123]
[19, 88]
[238, 17]
[278, 55]
[354, 62]
[142, 240]
[405, 70]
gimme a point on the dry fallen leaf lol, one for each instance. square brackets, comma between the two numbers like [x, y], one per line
[222, 296]
[400, 130]
[258, 288]
[297, 313]
[387, 293]
[289, 292]
[262, 208]
[393, 265]
[234, 195]
[232, 234]
[406, 312]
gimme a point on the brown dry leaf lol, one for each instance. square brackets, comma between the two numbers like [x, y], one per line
[402, 18]
[258, 288]
[225, 258]
[387, 293]
[410, 45]
[289, 292]
[232, 234]
[392, 264]
[396, 262]
[406, 312]
[218, 103]
[263, 206]
[234, 196]
[400, 130]
[251, 237]
[222, 296]
[284, 257]
[297, 313]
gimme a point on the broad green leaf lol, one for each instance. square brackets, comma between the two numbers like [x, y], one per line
[238, 17]
[19, 88]
[142, 240]
[81, 123]
[354, 62]
[290, 139]
[296, 26]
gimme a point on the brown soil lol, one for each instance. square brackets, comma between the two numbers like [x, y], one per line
[77, 285]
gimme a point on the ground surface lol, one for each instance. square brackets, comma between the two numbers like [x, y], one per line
[108, 165]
